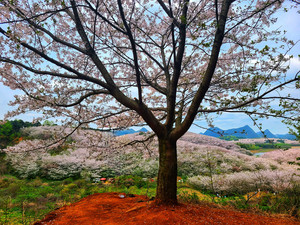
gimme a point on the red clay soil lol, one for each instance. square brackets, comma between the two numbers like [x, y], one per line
[112, 209]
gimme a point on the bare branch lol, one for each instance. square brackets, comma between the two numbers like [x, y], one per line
[134, 52]
[149, 138]
[219, 35]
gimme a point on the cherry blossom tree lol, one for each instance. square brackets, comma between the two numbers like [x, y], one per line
[163, 63]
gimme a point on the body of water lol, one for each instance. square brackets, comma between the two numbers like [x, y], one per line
[259, 153]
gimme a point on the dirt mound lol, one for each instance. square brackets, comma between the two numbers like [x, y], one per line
[118, 209]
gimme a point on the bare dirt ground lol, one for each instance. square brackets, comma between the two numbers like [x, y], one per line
[114, 209]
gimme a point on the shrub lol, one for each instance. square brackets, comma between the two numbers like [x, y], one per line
[186, 196]
[13, 189]
[287, 202]
[229, 138]
[4, 183]
[248, 146]
[129, 180]
[68, 181]
[4, 166]
[290, 200]
[37, 182]
[274, 145]
[80, 183]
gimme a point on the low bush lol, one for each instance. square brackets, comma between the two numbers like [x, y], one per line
[229, 138]
[258, 146]
[288, 201]
[248, 146]
[186, 196]
[130, 180]
[274, 145]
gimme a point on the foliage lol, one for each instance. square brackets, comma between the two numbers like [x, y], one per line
[286, 202]
[10, 132]
[257, 146]
[49, 123]
[4, 165]
[248, 146]
[289, 201]
[130, 180]
[190, 197]
[229, 138]
[274, 145]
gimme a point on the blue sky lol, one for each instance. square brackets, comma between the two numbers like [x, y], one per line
[288, 21]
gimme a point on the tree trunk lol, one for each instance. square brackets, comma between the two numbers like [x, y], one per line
[166, 192]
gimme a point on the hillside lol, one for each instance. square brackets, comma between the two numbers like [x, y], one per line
[267, 133]
[99, 154]
[241, 132]
[93, 154]
[245, 132]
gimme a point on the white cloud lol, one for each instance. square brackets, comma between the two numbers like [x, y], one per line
[295, 63]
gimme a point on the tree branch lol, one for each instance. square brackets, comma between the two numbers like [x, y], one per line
[134, 52]
[193, 110]
[42, 72]
[245, 103]
[177, 66]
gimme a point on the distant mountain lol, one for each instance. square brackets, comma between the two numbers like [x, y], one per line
[241, 132]
[267, 133]
[214, 132]
[260, 134]
[245, 132]
[123, 132]
[143, 130]
[286, 136]
[129, 131]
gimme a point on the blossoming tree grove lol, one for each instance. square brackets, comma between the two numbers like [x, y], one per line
[160, 62]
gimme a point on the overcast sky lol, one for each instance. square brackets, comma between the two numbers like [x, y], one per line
[289, 21]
